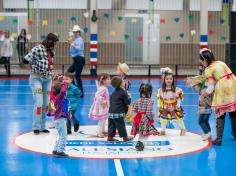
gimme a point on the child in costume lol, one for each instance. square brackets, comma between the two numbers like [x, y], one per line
[101, 103]
[122, 71]
[204, 105]
[60, 117]
[169, 104]
[72, 94]
[143, 120]
[119, 102]
[51, 110]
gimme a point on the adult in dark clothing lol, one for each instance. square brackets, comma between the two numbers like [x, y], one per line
[22, 46]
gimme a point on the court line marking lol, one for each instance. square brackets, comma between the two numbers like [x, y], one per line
[118, 167]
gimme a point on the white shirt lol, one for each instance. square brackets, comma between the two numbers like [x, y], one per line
[6, 48]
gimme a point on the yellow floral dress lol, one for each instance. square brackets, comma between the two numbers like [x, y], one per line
[224, 98]
[167, 103]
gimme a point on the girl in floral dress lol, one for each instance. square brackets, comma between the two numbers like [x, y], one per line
[143, 120]
[222, 83]
[169, 104]
[100, 106]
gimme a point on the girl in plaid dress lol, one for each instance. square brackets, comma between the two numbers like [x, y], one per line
[143, 120]
[169, 101]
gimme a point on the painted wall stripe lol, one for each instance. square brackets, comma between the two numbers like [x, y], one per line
[94, 42]
[93, 45]
[93, 49]
[203, 38]
[203, 43]
[93, 60]
[93, 37]
[93, 54]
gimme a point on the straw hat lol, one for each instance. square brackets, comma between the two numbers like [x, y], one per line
[76, 28]
[124, 68]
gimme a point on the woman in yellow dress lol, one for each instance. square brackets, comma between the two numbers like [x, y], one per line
[222, 82]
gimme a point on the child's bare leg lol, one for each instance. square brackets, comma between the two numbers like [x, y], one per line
[163, 126]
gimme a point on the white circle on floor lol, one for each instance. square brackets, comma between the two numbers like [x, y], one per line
[86, 144]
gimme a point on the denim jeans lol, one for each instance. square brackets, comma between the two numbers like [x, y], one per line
[73, 120]
[41, 88]
[60, 125]
[203, 122]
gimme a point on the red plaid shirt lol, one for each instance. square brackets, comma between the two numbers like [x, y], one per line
[144, 105]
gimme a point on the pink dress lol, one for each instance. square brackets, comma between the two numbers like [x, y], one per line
[97, 110]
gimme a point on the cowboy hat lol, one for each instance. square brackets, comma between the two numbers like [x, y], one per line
[76, 28]
[124, 68]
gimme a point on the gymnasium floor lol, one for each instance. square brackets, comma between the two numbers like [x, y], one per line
[16, 105]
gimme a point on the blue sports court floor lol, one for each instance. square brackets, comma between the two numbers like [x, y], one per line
[16, 106]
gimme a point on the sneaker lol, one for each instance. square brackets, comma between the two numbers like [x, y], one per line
[45, 131]
[182, 132]
[54, 152]
[36, 132]
[76, 127]
[61, 155]
[127, 139]
[69, 132]
[206, 137]
[111, 139]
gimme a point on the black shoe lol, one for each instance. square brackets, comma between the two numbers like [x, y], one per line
[216, 142]
[139, 146]
[61, 155]
[127, 139]
[45, 131]
[76, 127]
[69, 132]
[54, 152]
[111, 139]
[36, 132]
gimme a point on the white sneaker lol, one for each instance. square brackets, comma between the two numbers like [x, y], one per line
[206, 136]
